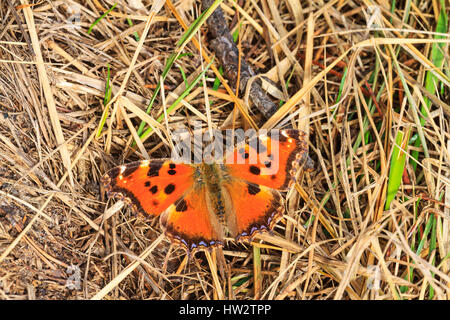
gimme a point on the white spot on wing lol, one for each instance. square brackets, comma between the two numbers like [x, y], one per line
[145, 163]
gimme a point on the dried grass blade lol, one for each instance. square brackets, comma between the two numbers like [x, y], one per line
[213, 266]
[257, 276]
[431, 81]
[48, 94]
[125, 272]
[178, 100]
[295, 99]
[187, 36]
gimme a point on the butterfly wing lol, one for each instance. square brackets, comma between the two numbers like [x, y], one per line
[269, 161]
[250, 208]
[149, 186]
[254, 170]
[191, 222]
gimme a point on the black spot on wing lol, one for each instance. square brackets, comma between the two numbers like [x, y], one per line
[147, 184]
[154, 189]
[171, 172]
[169, 188]
[181, 205]
[253, 188]
[153, 169]
[255, 170]
[129, 170]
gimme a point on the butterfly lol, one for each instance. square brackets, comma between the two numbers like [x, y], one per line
[198, 204]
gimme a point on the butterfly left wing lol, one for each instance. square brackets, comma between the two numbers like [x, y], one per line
[254, 171]
[149, 187]
[191, 222]
[270, 160]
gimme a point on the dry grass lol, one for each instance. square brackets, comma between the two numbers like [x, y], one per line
[337, 237]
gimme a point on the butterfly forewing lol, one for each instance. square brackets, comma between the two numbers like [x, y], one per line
[149, 186]
[270, 161]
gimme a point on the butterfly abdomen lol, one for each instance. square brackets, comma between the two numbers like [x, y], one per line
[212, 178]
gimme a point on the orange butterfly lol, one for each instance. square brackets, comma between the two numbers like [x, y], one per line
[199, 203]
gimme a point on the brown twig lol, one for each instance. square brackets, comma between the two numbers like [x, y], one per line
[226, 50]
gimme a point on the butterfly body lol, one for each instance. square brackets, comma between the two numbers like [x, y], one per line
[212, 177]
[200, 204]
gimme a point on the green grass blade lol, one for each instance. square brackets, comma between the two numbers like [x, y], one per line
[432, 248]
[101, 17]
[192, 30]
[422, 242]
[136, 35]
[397, 167]
[431, 82]
[216, 84]
[341, 86]
[168, 66]
[108, 88]
[187, 36]
[183, 75]
[177, 101]
[106, 99]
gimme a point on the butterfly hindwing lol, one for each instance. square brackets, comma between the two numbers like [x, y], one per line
[191, 223]
[253, 208]
[270, 161]
[149, 186]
